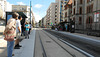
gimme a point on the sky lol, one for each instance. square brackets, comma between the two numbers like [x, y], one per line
[39, 6]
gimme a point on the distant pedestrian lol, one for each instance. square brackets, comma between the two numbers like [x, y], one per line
[10, 33]
[56, 29]
[18, 33]
[66, 26]
[27, 26]
[23, 29]
[30, 28]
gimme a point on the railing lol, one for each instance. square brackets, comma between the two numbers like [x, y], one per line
[88, 26]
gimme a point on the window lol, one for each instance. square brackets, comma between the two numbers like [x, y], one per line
[80, 20]
[74, 19]
[89, 20]
[90, 8]
[81, 1]
[89, 1]
[74, 11]
[80, 10]
[87, 9]
[66, 14]
[74, 2]
[55, 15]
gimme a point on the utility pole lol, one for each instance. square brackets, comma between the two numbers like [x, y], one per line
[30, 11]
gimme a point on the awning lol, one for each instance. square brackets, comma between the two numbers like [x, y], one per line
[20, 13]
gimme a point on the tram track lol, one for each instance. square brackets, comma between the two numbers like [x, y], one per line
[44, 52]
[43, 49]
[60, 45]
[89, 51]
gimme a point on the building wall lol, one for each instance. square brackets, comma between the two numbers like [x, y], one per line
[52, 14]
[3, 4]
[48, 17]
[25, 9]
[90, 15]
[1, 12]
[78, 24]
[44, 21]
[96, 9]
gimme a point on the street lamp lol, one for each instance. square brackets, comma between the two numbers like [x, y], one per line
[30, 12]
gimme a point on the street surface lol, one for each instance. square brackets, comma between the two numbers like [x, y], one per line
[52, 46]
[49, 43]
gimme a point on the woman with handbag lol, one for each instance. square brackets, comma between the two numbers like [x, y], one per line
[10, 33]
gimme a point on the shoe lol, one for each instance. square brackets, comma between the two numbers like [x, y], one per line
[28, 37]
[19, 45]
[13, 54]
[16, 47]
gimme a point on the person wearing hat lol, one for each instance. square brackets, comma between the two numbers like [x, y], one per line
[10, 33]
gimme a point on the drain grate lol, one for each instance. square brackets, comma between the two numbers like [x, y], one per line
[48, 41]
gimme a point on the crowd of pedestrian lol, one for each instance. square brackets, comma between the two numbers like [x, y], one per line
[13, 32]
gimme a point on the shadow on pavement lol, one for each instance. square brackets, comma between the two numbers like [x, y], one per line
[2, 47]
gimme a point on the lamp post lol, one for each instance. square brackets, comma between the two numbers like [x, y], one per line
[30, 12]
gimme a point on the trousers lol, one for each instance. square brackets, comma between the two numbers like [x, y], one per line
[10, 45]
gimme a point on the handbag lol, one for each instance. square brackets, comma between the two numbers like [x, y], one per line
[10, 35]
[10, 30]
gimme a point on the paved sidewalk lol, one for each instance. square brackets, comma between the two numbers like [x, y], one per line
[27, 49]
[3, 47]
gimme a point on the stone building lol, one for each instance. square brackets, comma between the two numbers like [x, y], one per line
[86, 15]
[78, 11]
[68, 11]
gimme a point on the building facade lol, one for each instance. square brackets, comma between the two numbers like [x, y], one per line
[78, 11]
[25, 9]
[44, 22]
[52, 15]
[68, 11]
[61, 4]
[3, 4]
[1, 12]
[86, 15]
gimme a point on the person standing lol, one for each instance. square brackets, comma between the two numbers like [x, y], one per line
[18, 33]
[10, 33]
[27, 30]
[66, 26]
[30, 28]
